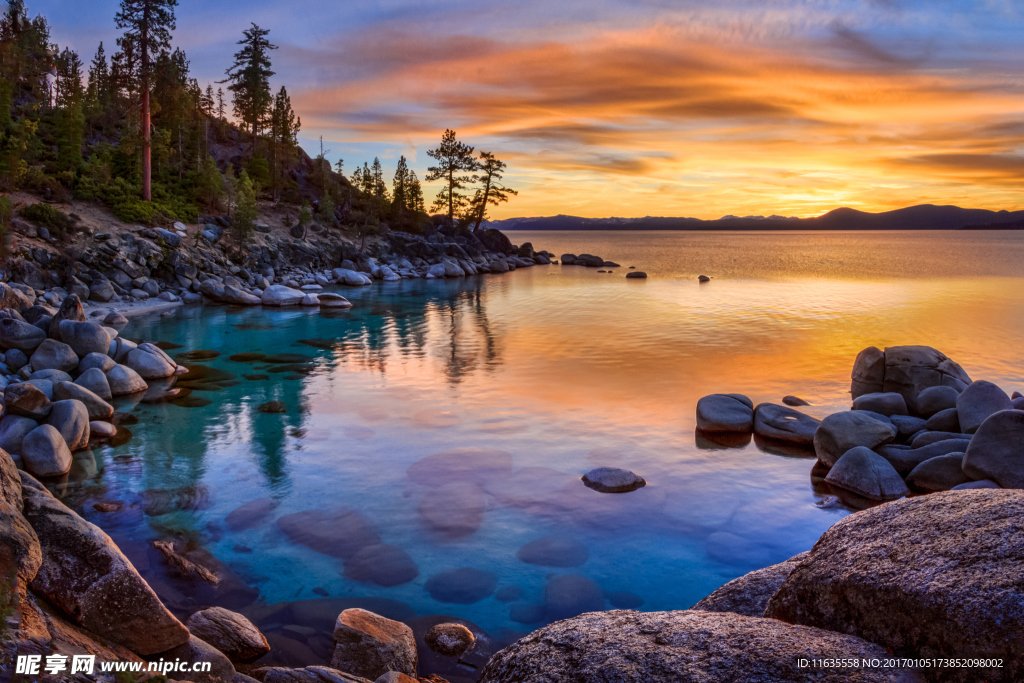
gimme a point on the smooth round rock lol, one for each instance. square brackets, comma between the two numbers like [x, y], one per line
[27, 400]
[749, 594]
[384, 565]
[101, 430]
[840, 432]
[229, 632]
[613, 480]
[455, 509]
[909, 370]
[940, 473]
[94, 381]
[636, 275]
[979, 400]
[97, 408]
[571, 594]
[53, 375]
[71, 418]
[782, 423]
[329, 300]
[123, 381]
[449, 640]
[867, 474]
[868, 372]
[96, 360]
[369, 645]
[947, 420]
[997, 450]
[20, 335]
[150, 362]
[904, 459]
[84, 338]
[935, 399]
[13, 430]
[887, 404]
[45, 453]
[971, 485]
[56, 355]
[725, 413]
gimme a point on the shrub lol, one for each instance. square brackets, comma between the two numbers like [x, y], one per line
[48, 217]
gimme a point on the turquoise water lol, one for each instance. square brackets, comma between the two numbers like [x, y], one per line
[538, 376]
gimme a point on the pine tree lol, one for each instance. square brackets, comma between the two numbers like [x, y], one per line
[149, 24]
[414, 199]
[454, 159]
[250, 80]
[379, 189]
[284, 131]
[208, 101]
[492, 192]
[400, 185]
[243, 218]
[70, 101]
[99, 93]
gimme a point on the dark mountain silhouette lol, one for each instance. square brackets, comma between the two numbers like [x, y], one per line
[923, 217]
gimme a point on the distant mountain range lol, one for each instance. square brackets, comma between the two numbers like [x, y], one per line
[923, 217]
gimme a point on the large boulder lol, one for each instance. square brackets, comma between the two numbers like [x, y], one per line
[123, 380]
[749, 594]
[862, 471]
[27, 400]
[940, 473]
[70, 417]
[979, 400]
[868, 372]
[100, 361]
[725, 413]
[45, 452]
[96, 408]
[13, 430]
[150, 362]
[330, 300]
[233, 295]
[20, 553]
[909, 370]
[686, 646]
[904, 459]
[18, 334]
[86, 575]
[495, 240]
[229, 632]
[997, 450]
[194, 651]
[840, 432]
[54, 355]
[782, 423]
[84, 338]
[95, 382]
[280, 295]
[70, 309]
[350, 277]
[931, 576]
[367, 644]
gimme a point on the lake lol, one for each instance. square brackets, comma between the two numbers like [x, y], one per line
[428, 461]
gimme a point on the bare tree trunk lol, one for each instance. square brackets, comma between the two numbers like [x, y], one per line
[147, 147]
[483, 204]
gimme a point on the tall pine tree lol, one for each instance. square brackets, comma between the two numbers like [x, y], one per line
[284, 131]
[492, 192]
[455, 160]
[249, 77]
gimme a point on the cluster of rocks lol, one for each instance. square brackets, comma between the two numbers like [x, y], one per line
[918, 424]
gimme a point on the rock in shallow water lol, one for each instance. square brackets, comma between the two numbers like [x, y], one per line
[553, 551]
[45, 453]
[725, 413]
[782, 423]
[339, 532]
[125, 381]
[840, 432]
[613, 480]
[749, 594]
[367, 644]
[671, 647]
[931, 576]
[449, 640]
[384, 565]
[862, 471]
[229, 632]
[463, 586]
[455, 509]
[571, 594]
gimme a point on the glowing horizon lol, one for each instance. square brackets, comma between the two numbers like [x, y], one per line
[789, 107]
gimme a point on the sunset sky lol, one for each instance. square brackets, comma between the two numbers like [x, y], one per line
[650, 107]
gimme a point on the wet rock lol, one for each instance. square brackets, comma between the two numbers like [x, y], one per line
[977, 402]
[123, 381]
[613, 480]
[329, 300]
[455, 509]
[95, 382]
[947, 420]
[84, 338]
[670, 647]
[183, 565]
[20, 335]
[229, 632]
[273, 408]
[862, 471]
[930, 576]
[99, 430]
[904, 459]
[70, 418]
[280, 295]
[13, 430]
[384, 565]
[940, 473]
[88, 577]
[340, 532]
[150, 362]
[935, 399]
[54, 355]
[636, 275]
[100, 361]
[449, 640]
[553, 551]
[749, 594]
[997, 450]
[250, 515]
[909, 370]
[725, 413]
[781, 423]
[196, 650]
[367, 644]
[26, 400]
[463, 586]
[840, 432]
[794, 401]
[882, 403]
[571, 594]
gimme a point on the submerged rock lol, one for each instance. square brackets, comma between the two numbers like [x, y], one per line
[250, 514]
[749, 594]
[463, 586]
[367, 644]
[340, 532]
[455, 509]
[384, 565]
[554, 551]
[571, 594]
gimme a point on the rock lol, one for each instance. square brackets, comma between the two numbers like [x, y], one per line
[909, 370]
[20, 554]
[905, 459]
[233, 295]
[84, 338]
[395, 677]
[554, 551]
[840, 432]
[907, 426]
[463, 586]
[703, 278]
[869, 475]
[613, 480]
[725, 413]
[981, 484]
[455, 509]
[123, 380]
[685, 646]
[930, 576]
[636, 275]
[352, 278]
[329, 300]
[54, 355]
[979, 400]
[70, 309]
[13, 430]
[782, 423]
[115, 318]
[310, 300]
[749, 594]
[367, 644]
[44, 385]
[95, 382]
[384, 565]
[449, 640]
[997, 450]
[45, 453]
[101, 290]
[71, 418]
[568, 595]
[940, 473]
[279, 295]
[794, 401]
[150, 362]
[273, 408]
[339, 532]
[947, 420]
[120, 348]
[96, 360]
[927, 438]
[250, 514]
[18, 334]
[99, 430]
[882, 403]
[27, 400]
[309, 674]
[15, 359]
[171, 239]
[935, 399]
[168, 296]
[229, 632]
[53, 375]
[868, 372]
[1018, 403]
[196, 650]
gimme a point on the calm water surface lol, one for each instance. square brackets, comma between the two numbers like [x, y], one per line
[563, 369]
